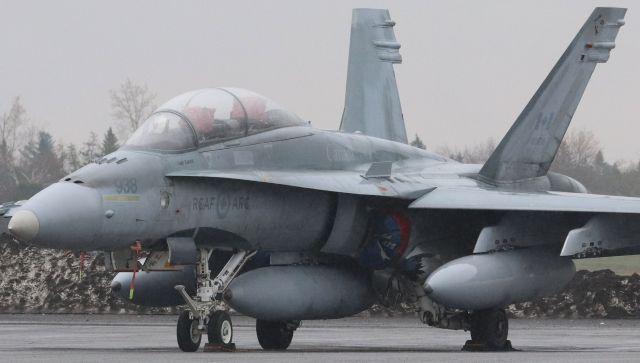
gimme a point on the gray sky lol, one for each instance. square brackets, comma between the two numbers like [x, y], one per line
[469, 66]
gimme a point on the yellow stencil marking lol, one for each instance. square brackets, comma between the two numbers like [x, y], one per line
[121, 198]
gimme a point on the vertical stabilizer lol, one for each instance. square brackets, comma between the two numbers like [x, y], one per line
[372, 104]
[531, 144]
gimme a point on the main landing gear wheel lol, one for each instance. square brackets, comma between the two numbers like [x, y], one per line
[274, 335]
[490, 329]
[188, 334]
[220, 329]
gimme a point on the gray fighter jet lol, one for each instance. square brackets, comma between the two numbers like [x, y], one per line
[223, 199]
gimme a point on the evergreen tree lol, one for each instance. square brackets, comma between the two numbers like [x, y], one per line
[41, 165]
[599, 164]
[109, 142]
[417, 142]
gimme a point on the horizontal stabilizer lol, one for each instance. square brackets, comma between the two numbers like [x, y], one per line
[531, 144]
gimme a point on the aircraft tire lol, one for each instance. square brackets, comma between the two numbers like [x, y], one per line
[490, 327]
[273, 335]
[188, 336]
[220, 328]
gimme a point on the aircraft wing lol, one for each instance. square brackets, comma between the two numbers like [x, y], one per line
[349, 182]
[482, 199]
[610, 224]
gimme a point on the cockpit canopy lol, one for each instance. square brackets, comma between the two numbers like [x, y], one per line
[209, 116]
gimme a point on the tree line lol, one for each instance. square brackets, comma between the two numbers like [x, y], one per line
[580, 156]
[31, 159]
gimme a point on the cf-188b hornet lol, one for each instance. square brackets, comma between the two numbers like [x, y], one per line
[224, 200]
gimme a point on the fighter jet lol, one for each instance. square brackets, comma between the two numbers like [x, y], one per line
[224, 200]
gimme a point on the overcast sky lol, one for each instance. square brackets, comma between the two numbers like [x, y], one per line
[469, 66]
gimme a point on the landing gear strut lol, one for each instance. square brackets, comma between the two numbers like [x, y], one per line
[207, 311]
[489, 330]
[275, 335]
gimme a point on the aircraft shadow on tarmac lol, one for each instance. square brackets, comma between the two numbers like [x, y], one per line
[323, 350]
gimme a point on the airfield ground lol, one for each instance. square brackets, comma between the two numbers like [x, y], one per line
[121, 338]
[621, 265]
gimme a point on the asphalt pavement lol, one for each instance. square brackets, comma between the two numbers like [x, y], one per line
[131, 338]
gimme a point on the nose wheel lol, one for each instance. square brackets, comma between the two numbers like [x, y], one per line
[220, 328]
[189, 336]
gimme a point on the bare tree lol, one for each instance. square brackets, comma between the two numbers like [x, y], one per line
[11, 125]
[578, 149]
[72, 159]
[131, 104]
[90, 150]
[579, 156]
[475, 154]
[15, 132]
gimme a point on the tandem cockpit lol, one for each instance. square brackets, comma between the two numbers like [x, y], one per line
[209, 116]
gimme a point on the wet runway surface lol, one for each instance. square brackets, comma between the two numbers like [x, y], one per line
[119, 338]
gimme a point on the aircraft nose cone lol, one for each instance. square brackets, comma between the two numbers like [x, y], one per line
[62, 216]
[24, 225]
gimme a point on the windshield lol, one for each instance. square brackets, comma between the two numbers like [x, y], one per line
[164, 131]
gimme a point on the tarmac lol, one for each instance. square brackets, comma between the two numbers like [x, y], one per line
[131, 338]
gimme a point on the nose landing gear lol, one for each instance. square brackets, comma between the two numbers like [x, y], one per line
[207, 311]
[220, 328]
[189, 336]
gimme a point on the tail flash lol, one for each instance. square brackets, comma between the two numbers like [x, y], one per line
[531, 144]
[372, 104]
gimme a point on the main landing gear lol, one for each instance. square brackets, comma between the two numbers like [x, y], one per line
[275, 335]
[489, 331]
[207, 313]
[489, 328]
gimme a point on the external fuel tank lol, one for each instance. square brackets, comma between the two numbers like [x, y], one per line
[497, 279]
[293, 292]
